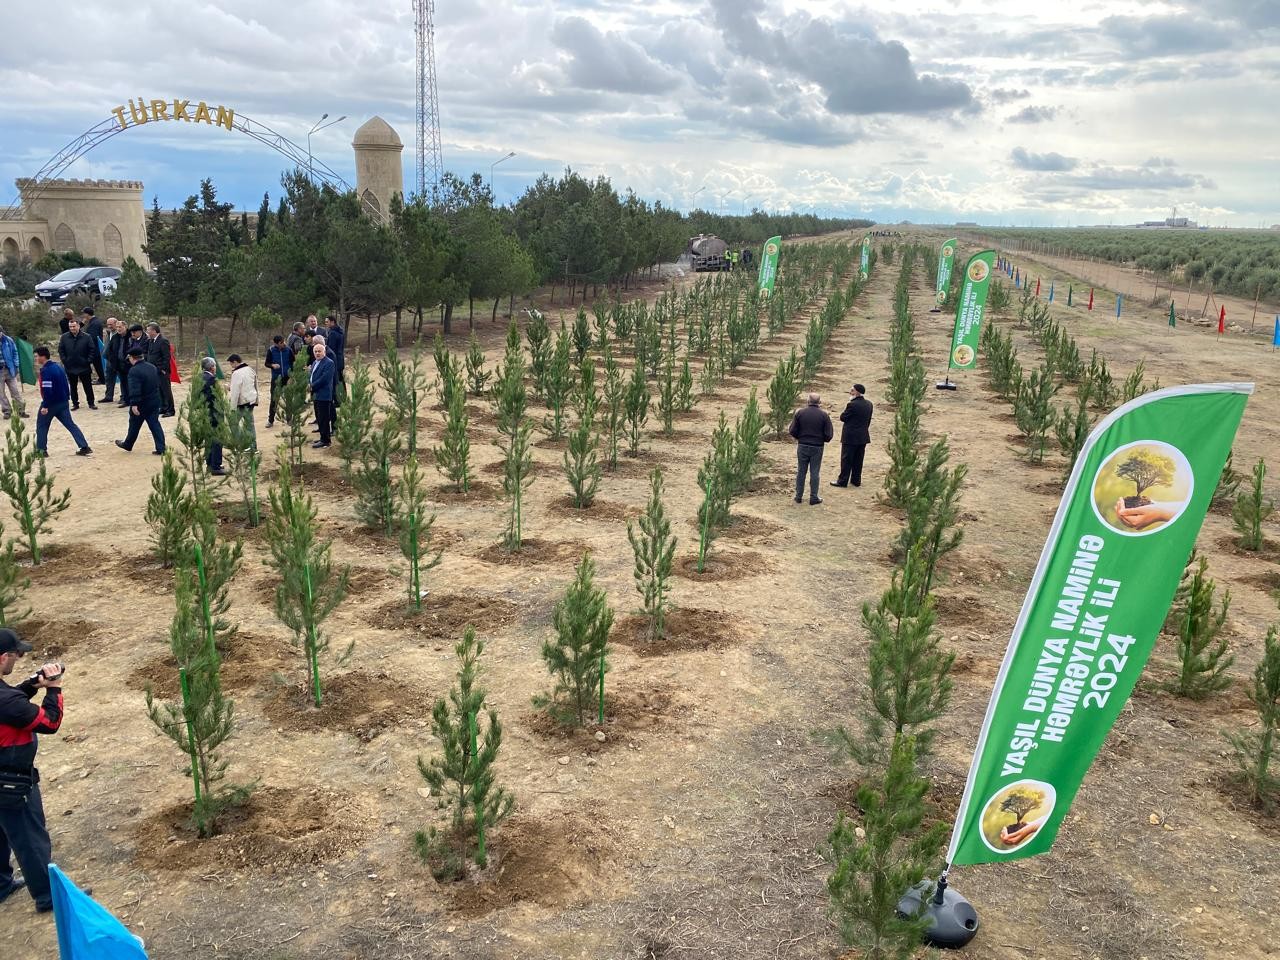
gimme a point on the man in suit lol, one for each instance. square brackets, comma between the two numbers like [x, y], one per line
[143, 389]
[93, 327]
[854, 437]
[321, 383]
[335, 339]
[117, 361]
[209, 384]
[160, 355]
[812, 429]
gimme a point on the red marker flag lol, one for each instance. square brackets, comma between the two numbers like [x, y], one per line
[1222, 320]
[1037, 286]
[1091, 298]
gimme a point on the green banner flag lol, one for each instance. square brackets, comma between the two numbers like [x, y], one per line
[1119, 542]
[208, 352]
[946, 259]
[970, 309]
[26, 361]
[864, 265]
[769, 266]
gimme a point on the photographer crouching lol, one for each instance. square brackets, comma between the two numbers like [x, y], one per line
[22, 825]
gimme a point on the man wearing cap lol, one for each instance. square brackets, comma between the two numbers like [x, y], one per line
[244, 392]
[22, 825]
[55, 396]
[143, 388]
[854, 437]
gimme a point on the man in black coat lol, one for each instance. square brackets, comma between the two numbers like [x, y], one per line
[812, 429]
[117, 360]
[79, 356]
[159, 355]
[854, 437]
[144, 391]
[93, 327]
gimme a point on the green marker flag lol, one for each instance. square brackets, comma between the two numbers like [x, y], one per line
[208, 352]
[1173, 317]
[864, 265]
[769, 266]
[945, 261]
[1119, 542]
[970, 310]
[26, 362]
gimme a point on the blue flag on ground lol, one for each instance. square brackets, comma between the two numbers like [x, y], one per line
[1275, 337]
[86, 929]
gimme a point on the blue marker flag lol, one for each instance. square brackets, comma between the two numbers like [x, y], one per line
[1275, 337]
[86, 929]
[1119, 300]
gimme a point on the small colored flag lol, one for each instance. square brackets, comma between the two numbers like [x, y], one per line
[1069, 291]
[102, 357]
[86, 929]
[1051, 291]
[1173, 317]
[1037, 286]
[1275, 337]
[1119, 300]
[217, 367]
[1222, 320]
[26, 362]
[1091, 298]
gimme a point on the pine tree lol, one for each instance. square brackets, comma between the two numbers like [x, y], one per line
[934, 512]
[558, 385]
[510, 397]
[404, 385]
[356, 423]
[310, 588]
[1033, 410]
[894, 853]
[902, 477]
[716, 477]
[1254, 750]
[243, 459]
[415, 531]
[684, 387]
[453, 454]
[477, 376]
[581, 464]
[12, 586]
[514, 429]
[636, 408]
[654, 548]
[1253, 509]
[578, 656]
[1072, 430]
[170, 511]
[294, 409]
[1202, 650]
[1228, 489]
[462, 776]
[195, 431]
[581, 336]
[614, 395]
[376, 486]
[25, 480]
[747, 435]
[783, 393]
[538, 333]
[667, 387]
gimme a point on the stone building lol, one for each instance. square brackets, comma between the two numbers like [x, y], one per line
[379, 170]
[100, 218]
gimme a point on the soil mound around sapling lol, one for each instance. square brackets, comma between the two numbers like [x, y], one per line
[964, 611]
[744, 528]
[62, 562]
[445, 616]
[1231, 544]
[628, 714]
[248, 659]
[362, 704]
[362, 582]
[534, 551]
[721, 566]
[599, 510]
[477, 492]
[51, 639]
[687, 630]
[497, 469]
[316, 478]
[274, 829]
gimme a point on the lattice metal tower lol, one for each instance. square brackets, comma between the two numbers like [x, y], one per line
[430, 164]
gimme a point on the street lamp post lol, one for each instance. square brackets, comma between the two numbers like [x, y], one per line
[316, 129]
[494, 164]
[742, 210]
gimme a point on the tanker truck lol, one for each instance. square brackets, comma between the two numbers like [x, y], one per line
[706, 252]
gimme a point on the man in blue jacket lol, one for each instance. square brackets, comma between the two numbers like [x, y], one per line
[279, 362]
[323, 377]
[10, 377]
[143, 388]
[55, 404]
[335, 344]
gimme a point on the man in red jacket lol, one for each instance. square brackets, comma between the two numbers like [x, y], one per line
[22, 824]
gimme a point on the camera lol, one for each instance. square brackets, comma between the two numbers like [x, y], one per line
[41, 675]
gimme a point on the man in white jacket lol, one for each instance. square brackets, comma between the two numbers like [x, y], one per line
[244, 392]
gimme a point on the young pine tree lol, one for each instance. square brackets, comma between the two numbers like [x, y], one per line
[1202, 650]
[1034, 410]
[294, 409]
[902, 477]
[1072, 430]
[667, 387]
[894, 853]
[748, 433]
[654, 548]
[376, 486]
[684, 387]
[581, 463]
[12, 586]
[454, 453]
[581, 336]
[933, 514]
[558, 385]
[405, 385]
[243, 459]
[415, 531]
[310, 588]
[462, 776]
[578, 656]
[1254, 750]
[356, 423]
[1253, 509]
[1228, 489]
[614, 406]
[195, 431]
[636, 408]
[170, 511]
[783, 393]
[538, 333]
[29, 487]
[477, 376]
[514, 428]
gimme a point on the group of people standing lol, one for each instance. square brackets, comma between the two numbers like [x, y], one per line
[812, 429]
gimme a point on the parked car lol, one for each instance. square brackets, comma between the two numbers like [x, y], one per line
[98, 282]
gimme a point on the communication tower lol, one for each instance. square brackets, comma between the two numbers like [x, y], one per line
[430, 164]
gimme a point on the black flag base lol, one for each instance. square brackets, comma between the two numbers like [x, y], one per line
[952, 920]
[945, 385]
[936, 310]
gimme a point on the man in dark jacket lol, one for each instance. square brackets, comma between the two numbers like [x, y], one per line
[93, 327]
[64, 324]
[160, 356]
[79, 355]
[117, 360]
[209, 384]
[297, 340]
[22, 825]
[144, 392]
[854, 436]
[279, 362]
[812, 429]
[322, 377]
[54, 396]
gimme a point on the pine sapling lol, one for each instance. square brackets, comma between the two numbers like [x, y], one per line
[579, 652]
[12, 586]
[1072, 430]
[902, 477]
[241, 448]
[581, 336]
[636, 408]
[538, 333]
[170, 511]
[462, 776]
[614, 400]
[29, 487]
[1253, 509]
[453, 454]
[294, 410]
[1202, 649]
[783, 393]
[310, 587]
[517, 464]
[415, 531]
[477, 376]
[356, 423]
[558, 385]
[748, 433]
[684, 387]
[654, 548]
[376, 486]
[1228, 489]
[1254, 750]
[581, 464]
[514, 428]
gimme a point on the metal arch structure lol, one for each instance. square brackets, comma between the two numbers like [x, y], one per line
[430, 164]
[101, 132]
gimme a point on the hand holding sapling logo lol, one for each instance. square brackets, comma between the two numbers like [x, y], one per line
[1143, 487]
[1016, 813]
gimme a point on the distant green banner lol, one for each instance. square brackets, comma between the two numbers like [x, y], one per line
[769, 266]
[970, 310]
[864, 267]
[1128, 519]
[946, 259]
[26, 362]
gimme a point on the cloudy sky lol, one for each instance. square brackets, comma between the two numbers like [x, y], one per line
[1070, 112]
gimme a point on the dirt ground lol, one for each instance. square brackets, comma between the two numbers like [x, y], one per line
[692, 830]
